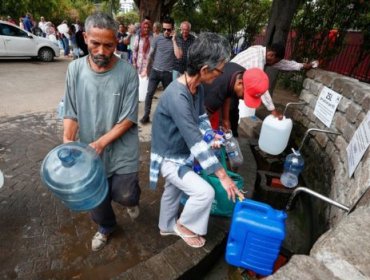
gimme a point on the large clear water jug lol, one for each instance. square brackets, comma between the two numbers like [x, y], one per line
[256, 235]
[75, 174]
[274, 134]
[293, 166]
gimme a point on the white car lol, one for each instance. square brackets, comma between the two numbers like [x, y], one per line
[15, 42]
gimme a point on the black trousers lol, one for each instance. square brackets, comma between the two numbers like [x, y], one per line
[123, 189]
[154, 78]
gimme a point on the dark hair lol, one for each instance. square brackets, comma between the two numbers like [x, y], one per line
[208, 49]
[278, 49]
[168, 20]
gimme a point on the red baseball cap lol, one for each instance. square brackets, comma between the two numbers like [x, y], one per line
[256, 83]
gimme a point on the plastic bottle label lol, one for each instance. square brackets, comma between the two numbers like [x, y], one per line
[233, 154]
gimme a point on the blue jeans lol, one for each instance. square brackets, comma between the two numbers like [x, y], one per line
[65, 43]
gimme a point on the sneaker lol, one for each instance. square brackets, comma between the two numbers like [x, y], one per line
[133, 212]
[145, 120]
[98, 242]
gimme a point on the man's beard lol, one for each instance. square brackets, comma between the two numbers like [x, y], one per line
[100, 60]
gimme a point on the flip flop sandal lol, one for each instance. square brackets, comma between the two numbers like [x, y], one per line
[186, 236]
[167, 233]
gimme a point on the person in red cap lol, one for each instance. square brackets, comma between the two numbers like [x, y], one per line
[224, 93]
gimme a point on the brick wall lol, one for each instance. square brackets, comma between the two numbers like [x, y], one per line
[326, 169]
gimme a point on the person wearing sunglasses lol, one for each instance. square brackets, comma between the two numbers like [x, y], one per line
[163, 53]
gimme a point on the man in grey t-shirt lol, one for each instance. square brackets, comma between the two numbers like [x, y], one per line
[163, 53]
[101, 105]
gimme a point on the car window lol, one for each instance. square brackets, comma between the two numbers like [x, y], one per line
[8, 30]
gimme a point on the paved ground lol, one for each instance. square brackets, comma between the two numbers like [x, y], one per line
[39, 237]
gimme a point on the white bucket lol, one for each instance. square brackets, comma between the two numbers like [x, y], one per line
[143, 87]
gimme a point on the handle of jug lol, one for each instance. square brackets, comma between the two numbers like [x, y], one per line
[68, 156]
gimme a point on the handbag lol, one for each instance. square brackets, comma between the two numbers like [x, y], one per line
[221, 205]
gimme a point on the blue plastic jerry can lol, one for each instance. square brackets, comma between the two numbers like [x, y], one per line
[255, 238]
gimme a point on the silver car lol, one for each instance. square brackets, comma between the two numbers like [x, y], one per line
[15, 42]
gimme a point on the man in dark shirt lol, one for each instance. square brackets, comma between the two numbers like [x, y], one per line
[122, 43]
[184, 40]
[222, 96]
[163, 53]
[80, 40]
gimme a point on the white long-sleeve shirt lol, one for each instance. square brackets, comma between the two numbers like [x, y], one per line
[255, 57]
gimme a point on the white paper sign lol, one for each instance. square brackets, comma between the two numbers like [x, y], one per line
[326, 105]
[358, 145]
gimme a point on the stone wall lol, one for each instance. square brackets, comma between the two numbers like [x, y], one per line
[343, 250]
[326, 168]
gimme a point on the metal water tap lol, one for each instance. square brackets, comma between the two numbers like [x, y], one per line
[315, 129]
[293, 103]
[313, 193]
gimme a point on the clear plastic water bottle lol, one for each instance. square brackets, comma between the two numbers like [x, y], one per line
[293, 166]
[197, 168]
[75, 174]
[60, 109]
[233, 150]
[1, 179]
[208, 136]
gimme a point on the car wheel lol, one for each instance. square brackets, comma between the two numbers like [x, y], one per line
[46, 54]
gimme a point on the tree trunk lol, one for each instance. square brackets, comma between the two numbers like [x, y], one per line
[282, 13]
[154, 9]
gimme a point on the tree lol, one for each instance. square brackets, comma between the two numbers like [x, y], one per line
[234, 19]
[281, 16]
[156, 10]
[127, 18]
[320, 26]
[53, 10]
[282, 13]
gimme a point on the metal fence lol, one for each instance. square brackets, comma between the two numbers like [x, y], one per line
[351, 61]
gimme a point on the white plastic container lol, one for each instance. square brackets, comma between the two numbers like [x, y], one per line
[275, 133]
[143, 88]
[245, 111]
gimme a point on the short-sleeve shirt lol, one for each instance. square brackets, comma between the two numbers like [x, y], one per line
[99, 101]
[180, 64]
[164, 56]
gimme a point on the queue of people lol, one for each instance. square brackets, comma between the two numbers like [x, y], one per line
[201, 91]
[68, 36]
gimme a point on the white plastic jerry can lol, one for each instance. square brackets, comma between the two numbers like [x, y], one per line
[275, 133]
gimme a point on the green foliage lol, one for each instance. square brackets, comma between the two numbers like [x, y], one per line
[53, 10]
[320, 20]
[109, 6]
[224, 16]
[291, 80]
[127, 18]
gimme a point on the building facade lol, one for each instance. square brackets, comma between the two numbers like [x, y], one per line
[126, 5]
